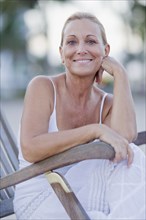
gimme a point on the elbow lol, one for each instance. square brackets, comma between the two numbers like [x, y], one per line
[134, 137]
[130, 132]
[27, 151]
[131, 135]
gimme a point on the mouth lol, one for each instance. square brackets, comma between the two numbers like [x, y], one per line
[82, 60]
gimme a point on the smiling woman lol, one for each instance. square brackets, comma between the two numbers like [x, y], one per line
[69, 109]
[90, 44]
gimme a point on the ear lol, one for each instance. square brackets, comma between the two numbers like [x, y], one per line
[61, 54]
[107, 49]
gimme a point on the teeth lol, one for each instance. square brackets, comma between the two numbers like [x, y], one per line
[82, 61]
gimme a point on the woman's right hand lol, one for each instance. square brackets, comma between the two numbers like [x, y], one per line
[121, 145]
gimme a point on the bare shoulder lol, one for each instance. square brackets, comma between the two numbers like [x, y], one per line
[39, 92]
[44, 81]
[109, 97]
[107, 109]
[107, 103]
[39, 82]
[41, 85]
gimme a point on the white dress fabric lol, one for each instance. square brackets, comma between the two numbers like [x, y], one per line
[107, 190]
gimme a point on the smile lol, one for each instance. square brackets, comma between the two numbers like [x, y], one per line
[83, 60]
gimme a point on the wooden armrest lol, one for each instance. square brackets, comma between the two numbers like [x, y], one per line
[141, 138]
[92, 150]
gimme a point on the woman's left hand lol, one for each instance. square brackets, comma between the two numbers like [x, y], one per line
[120, 144]
[111, 66]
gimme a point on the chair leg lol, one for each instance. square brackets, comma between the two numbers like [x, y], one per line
[67, 197]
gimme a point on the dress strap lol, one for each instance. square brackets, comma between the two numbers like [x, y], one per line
[101, 108]
[54, 93]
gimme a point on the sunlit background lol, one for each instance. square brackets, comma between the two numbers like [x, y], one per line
[30, 32]
[30, 37]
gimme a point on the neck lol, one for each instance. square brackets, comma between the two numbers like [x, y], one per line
[79, 88]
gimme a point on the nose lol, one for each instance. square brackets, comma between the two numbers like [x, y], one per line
[81, 49]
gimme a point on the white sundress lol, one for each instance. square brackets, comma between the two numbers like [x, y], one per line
[107, 190]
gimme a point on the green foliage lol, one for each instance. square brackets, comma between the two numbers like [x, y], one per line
[12, 30]
[9, 5]
[137, 19]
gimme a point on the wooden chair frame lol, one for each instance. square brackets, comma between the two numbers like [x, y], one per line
[94, 150]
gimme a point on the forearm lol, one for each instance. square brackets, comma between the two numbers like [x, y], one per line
[45, 145]
[123, 118]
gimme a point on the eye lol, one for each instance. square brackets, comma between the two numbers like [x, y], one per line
[71, 42]
[91, 42]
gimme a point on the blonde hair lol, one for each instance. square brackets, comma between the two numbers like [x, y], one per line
[84, 15]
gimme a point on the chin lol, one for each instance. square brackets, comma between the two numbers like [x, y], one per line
[84, 72]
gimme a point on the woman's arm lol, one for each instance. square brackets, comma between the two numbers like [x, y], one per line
[37, 143]
[122, 114]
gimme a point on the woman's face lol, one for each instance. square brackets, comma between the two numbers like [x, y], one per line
[83, 49]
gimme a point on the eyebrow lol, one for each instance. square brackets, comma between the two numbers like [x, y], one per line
[89, 35]
[71, 35]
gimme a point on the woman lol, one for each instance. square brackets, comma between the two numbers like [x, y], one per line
[69, 109]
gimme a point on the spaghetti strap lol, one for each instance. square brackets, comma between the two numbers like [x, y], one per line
[101, 108]
[54, 93]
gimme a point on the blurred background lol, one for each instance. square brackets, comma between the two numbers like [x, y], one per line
[30, 32]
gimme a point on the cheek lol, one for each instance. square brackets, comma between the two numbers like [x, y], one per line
[68, 55]
[99, 51]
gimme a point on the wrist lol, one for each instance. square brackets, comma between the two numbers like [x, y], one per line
[98, 129]
[120, 72]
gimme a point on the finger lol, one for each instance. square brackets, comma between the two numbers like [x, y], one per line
[99, 75]
[118, 157]
[121, 154]
[130, 156]
[107, 66]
